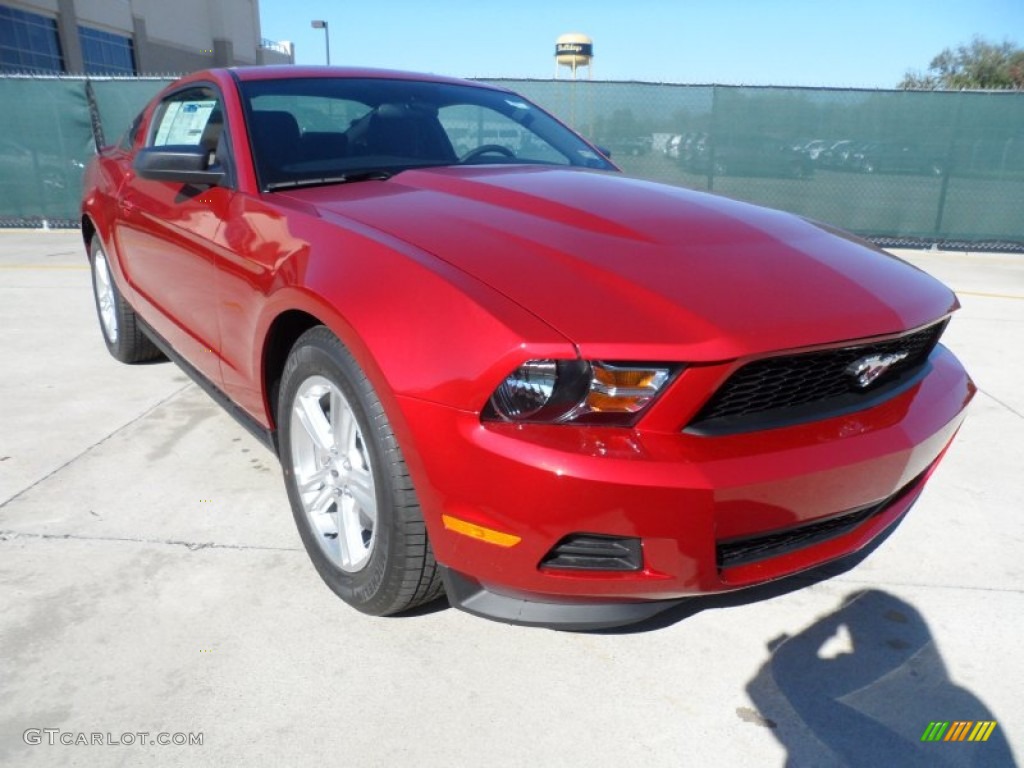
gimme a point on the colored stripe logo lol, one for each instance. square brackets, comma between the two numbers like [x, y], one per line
[958, 730]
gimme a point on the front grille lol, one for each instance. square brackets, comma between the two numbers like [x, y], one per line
[750, 549]
[595, 552]
[789, 389]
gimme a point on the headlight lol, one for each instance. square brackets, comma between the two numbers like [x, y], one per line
[560, 391]
[541, 390]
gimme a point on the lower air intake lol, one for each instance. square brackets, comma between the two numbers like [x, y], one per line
[594, 552]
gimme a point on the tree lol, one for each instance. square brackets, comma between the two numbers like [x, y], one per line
[980, 64]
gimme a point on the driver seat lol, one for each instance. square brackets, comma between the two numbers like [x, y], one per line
[396, 131]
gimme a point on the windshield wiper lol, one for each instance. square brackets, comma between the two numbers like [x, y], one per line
[375, 174]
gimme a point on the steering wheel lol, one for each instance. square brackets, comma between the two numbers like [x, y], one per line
[484, 149]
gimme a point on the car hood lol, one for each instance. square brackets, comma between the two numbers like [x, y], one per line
[629, 269]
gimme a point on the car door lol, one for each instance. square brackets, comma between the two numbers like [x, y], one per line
[165, 231]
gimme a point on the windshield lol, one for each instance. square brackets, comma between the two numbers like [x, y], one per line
[327, 130]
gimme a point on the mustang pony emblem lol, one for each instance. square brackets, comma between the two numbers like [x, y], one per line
[869, 368]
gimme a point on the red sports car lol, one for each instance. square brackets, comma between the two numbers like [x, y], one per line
[493, 366]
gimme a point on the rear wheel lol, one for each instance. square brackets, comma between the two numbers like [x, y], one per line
[350, 491]
[120, 325]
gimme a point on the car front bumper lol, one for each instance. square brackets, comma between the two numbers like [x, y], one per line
[712, 513]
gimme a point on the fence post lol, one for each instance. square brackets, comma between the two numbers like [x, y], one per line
[712, 131]
[948, 165]
[94, 116]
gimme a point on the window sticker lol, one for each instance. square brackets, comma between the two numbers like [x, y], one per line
[183, 122]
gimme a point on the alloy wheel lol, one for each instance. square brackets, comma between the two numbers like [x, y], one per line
[333, 473]
[106, 299]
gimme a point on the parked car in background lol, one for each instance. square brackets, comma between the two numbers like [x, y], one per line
[562, 396]
[748, 156]
[688, 144]
[836, 155]
[632, 146]
[814, 148]
[891, 157]
[672, 146]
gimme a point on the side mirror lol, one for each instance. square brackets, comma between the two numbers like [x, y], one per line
[181, 164]
[604, 151]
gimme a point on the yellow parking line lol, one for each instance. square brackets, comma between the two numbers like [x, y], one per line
[989, 295]
[44, 266]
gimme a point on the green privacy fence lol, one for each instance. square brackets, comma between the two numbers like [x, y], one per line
[46, 138]
[898, 166]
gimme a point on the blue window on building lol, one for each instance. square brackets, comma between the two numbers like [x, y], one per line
[28, 42]
[105, 53]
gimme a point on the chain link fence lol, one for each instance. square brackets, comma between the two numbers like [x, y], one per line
[47, 136]
[901, 167]
[904, 167]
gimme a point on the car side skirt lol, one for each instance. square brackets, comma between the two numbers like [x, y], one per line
[268, 437]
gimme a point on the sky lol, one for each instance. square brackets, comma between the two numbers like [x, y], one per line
[840, 43]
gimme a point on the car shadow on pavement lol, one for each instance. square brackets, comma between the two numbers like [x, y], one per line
[857, 687]
[862, 686]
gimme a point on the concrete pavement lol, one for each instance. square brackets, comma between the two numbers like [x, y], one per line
[152, 581]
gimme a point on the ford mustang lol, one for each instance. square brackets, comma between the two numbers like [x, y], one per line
[493, 366]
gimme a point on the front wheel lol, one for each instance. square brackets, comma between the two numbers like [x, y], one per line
[122, 332]
[349, 488]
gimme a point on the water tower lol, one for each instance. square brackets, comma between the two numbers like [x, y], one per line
[573, 50]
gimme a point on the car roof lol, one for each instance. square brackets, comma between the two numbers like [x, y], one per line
[292, 72]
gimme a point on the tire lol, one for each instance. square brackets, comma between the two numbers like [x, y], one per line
[118, 322]
[354, 504]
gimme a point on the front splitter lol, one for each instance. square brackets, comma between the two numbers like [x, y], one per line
[471, 596]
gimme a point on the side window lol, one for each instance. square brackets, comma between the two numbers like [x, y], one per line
[193, 117]
[186, 118]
